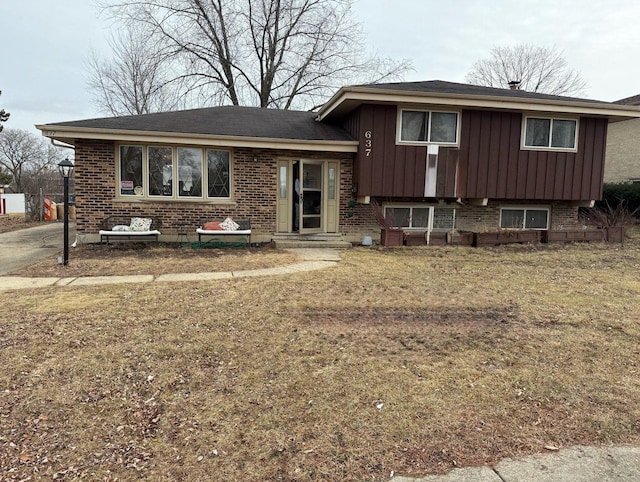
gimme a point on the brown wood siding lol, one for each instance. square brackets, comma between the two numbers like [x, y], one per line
[492, 165]
[389, 170]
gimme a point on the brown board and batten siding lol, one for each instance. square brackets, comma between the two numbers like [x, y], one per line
[488, 164]
[387, 169]
[493, 165]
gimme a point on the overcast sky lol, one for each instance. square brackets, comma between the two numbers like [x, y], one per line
[46, 43]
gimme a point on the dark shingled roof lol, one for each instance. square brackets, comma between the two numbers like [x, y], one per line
[224, 121]
[633, 100]
[453, 88]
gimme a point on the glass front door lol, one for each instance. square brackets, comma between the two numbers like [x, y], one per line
[310, 206]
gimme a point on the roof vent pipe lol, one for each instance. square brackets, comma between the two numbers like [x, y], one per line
[514, 84]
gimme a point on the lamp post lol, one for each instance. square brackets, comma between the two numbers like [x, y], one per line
[66, 170]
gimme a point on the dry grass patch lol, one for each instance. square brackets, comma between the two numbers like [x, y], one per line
[138, 259]
[414, 361]
[15, 222]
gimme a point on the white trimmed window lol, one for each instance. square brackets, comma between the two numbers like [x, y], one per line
[420, 217]
[151, 171]
[550, 133]
[524, 218]
[424, 127]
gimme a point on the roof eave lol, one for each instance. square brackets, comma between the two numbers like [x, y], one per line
[69, 135]
[358, 95]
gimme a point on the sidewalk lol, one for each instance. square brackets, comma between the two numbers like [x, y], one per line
[576, 464]
[313, 259]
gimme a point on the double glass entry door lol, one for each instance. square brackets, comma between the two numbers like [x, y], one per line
[307, 201]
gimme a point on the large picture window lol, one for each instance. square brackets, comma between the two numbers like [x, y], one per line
[524, 218]
[174, 172]
[428, 127]
[550, 133]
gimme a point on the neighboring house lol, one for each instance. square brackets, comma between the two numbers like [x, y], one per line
[437, 155]
[622, 162]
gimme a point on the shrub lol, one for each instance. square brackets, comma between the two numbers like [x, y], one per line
[623, 193]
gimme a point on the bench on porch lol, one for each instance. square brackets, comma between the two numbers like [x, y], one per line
[218, 231]
[127, 228]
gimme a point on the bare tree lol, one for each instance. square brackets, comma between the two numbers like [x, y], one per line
[28, 159]
[269, 53]
[537, 69]
[137, 79]
[4, 116]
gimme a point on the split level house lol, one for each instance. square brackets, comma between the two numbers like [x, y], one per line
[437, 156]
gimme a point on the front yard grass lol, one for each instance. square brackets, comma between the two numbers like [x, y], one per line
[410, 360]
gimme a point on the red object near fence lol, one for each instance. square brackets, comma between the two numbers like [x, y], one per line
[49, 210]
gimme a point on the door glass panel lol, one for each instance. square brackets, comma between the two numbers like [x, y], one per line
[283, 182]
[311, 222]
[332, 183]
[311, 203]
[312, 176]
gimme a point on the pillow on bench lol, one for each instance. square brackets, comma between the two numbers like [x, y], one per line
[229, 225]
[212, 226]
[140, 224]
[121, 227]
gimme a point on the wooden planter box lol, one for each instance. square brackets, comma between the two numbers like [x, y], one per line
[506, 237]
[415, 238]
[460, 238]
[437, 239]
[614, 234]
[391, 237]
[572, 235]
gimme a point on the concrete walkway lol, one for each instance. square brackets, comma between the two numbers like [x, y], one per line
[313, 259]
[576, 464]
[27, 246]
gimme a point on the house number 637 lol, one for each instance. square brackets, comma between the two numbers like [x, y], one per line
[368, 143]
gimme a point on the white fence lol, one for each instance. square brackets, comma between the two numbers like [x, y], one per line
[12, 203]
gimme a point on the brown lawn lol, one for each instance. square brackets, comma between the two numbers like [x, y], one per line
[411, 360]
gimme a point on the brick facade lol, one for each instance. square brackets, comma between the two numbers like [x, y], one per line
[254, 188]
[622, 160]
[254, 191]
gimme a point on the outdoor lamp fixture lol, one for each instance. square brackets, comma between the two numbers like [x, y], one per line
[66, 170]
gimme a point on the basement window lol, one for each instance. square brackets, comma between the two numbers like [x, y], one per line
[524, 218]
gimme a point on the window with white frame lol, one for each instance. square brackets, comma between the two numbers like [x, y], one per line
[417, 126]
[550, 133]
[524, 218]
[151, 171]
[420, 216]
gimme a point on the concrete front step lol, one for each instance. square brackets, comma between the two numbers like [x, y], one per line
[298, 243]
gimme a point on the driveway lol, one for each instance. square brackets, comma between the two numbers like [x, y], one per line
[27, 246]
